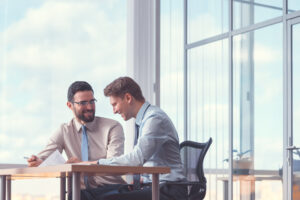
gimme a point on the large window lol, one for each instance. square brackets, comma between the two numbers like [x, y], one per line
[208, 108]
[44, 47]
[249, 12]
[171, 71]
[293, 5]
[258, 112]
[240, 91]
[206, 19]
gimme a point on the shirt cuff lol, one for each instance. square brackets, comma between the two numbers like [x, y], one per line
[104, 162]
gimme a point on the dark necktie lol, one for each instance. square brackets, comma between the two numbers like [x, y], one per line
[136, 134]
[136, 177]
[84, 151]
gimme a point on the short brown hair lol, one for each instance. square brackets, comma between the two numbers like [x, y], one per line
[76, 87]
[123, 85]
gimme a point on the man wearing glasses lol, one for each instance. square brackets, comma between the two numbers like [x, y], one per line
[85, 136]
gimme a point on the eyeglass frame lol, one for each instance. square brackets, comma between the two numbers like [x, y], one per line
[85, 103]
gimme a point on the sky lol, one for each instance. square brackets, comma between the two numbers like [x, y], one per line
[45, 46]
[208, 109]
[43, 54]
[213, 58]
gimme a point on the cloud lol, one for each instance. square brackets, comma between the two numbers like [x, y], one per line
[264, 54]
[270, 91]
[296, 112]
[5, 155]
[272, 152]
[53, 45]
[18, 142]
[3, 139]
[39, 139]
[205, 25]
[77, 36]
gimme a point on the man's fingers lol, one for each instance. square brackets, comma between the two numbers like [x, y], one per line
[33, 164]
[34, 161]
[73, 160]
[32, 158]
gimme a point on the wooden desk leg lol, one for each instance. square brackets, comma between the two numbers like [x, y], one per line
[62, 188]
[69, 185]
[3, 188]
[155, 186]
[8, 188]
[76, 186]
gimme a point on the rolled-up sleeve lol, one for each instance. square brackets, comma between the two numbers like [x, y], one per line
[115, 146]
[55, 143]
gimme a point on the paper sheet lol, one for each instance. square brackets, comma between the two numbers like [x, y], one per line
[54, 159]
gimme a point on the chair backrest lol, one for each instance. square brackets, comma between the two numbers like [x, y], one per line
[192, 155]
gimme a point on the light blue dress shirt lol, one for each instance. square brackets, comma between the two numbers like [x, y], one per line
[157, 145]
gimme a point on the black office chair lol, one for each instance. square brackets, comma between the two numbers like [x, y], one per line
[192, 156]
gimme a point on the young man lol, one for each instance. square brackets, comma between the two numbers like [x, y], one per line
[85, 137]
[156, 142]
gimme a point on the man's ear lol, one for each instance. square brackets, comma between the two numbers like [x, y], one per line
[128, 97]
[69, 104]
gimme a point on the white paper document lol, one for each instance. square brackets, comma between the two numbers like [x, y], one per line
[54, 159]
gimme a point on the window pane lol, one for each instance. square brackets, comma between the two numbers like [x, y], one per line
[44, 47]
[249, 12]
[258, 113]
[296, 85]
[206, 18]
[293, 5]
[171, 72]
[208, 109]
[296, 109]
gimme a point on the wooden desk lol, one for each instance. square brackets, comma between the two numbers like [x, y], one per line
[62, 171]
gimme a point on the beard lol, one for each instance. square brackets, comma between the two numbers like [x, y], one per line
[84, 118]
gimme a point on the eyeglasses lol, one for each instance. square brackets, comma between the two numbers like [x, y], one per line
[85, 103]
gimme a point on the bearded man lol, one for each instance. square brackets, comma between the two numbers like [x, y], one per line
[85, 136]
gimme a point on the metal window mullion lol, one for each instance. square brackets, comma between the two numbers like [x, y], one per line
[285, 101]
[288, 138]
[257, 26]
[157, 52]
[292, 15]
[234, 32]
[288, 23]
[288, 106]
[207, 41]
[185, 70]
[259, 5]
[230, 76]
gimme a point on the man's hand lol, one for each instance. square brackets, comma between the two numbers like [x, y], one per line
[141, 181]
[34, 161]
[73, 160]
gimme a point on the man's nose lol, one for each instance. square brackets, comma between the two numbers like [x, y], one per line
[89, 106]
[114, 110]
